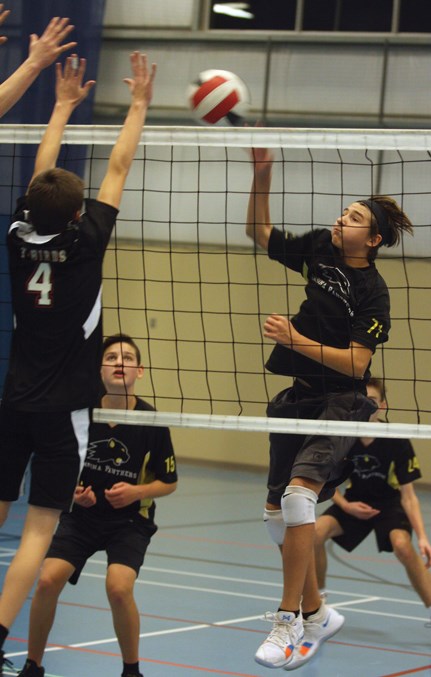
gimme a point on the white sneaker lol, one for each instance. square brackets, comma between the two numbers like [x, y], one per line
[317, 629]
[286, 634]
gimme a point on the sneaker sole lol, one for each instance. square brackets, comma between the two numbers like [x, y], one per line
[295, 664]
[267, 664]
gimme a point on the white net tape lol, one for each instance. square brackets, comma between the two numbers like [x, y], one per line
[192, 183]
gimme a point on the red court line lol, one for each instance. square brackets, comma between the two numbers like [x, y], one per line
[113, 654]
[408, 672]
[404, 652]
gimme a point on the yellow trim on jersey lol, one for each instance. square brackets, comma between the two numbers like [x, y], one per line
[145, 477]
[392, 478]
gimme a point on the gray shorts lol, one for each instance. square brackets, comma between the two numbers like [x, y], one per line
[321, 458]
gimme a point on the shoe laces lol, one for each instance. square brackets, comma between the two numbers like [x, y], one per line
[5, 661]
[280, 633]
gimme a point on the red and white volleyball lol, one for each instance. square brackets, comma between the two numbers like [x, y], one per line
[219, 97]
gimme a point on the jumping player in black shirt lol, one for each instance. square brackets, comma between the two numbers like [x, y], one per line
[379, 497]
[55, 260]
[125, 469]
[327, 348]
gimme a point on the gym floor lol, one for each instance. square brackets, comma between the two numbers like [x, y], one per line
[209, 576]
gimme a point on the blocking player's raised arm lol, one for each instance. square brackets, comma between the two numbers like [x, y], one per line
[43, 51]
[141, 89]
[69, 92]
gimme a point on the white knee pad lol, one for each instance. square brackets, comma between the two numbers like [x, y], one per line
[275, 525]
[298, 506]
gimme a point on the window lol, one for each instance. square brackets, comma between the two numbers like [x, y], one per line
[269, 15]
[364, 16]
[415, 16]
[348, 15]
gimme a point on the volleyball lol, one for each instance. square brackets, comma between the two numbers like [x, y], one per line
[219, 97]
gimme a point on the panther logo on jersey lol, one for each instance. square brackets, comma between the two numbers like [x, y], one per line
[335, 282]
[365, 464]
[108, 451]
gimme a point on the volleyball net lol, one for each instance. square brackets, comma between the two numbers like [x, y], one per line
[183, 280]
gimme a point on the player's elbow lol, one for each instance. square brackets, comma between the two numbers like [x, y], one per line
[170, 488]
[259, 234]
[361, 357]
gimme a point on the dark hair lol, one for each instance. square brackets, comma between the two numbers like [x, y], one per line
[121, 338]
[53, 198]
[397, 223]
[379, 385]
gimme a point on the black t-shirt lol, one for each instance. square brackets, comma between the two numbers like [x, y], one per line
[380, 469]
[126, 453]
[342, 304]
[56, 284]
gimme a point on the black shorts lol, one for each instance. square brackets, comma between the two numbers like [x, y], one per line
[57, 445]
[355, 530]
[321, 458]
[125, 541]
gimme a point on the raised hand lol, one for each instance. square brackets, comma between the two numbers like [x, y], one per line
[4, 13]
[68, 87]
[141, 85]
[47, 48]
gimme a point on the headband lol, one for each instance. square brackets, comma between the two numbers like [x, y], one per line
[381, 216]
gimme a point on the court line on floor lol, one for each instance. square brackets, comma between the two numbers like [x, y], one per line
[412, 671]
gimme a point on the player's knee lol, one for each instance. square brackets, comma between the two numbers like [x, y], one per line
[298, 506]
[403, 548]
[275, 525]
[49, 585]
[119, 593]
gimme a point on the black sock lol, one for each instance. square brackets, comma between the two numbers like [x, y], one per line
[3, 634]
[310, 613]
[131, 669]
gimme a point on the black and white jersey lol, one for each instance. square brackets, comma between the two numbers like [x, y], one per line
[342, 304]
[56, 283]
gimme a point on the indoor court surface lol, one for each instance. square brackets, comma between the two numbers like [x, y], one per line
[209, 576]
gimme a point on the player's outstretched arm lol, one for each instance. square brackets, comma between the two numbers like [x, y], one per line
[141, 89]
[4, 13]
[411, 505]
[43, 51]
[69, 92]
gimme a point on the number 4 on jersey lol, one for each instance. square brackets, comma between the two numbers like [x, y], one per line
[40, 283]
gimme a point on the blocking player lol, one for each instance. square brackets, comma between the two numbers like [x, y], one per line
[55, 260]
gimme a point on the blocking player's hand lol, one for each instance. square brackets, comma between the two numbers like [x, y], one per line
[141, 84]
[44, 50]
[362, 511]
[85, 497]
[4, 13]
[69, 86]
[121, 494]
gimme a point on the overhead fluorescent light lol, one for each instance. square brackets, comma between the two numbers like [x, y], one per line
[239, 10]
